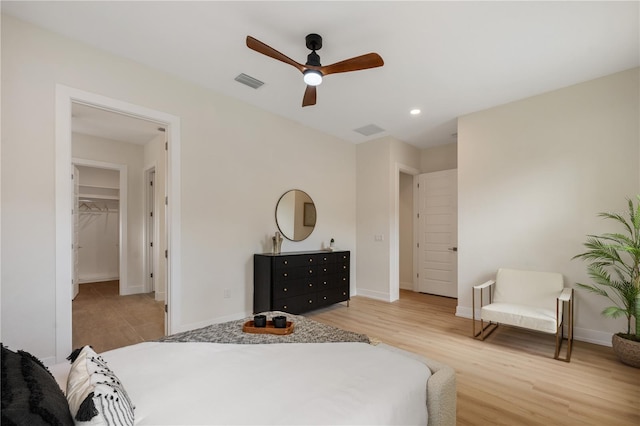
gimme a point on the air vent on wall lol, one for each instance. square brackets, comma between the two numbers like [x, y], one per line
[247, 80]
[369, 129]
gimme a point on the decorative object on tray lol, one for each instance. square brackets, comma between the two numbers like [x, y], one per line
[306, 331]
[269, 328]
[259, 321]
[614, 266]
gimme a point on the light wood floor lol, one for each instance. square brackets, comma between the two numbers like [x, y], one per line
[105, 320]
[509, 379]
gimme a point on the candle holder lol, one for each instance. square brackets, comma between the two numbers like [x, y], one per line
[280, 321]
[260, 321]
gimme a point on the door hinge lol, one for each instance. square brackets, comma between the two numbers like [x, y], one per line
[166, 146]
[151, 214]
[166, 254]
[166, 200]
[418, 215]
[166, 309]
[151, 244]
[418, 245]
[151, 275]
[151, 182]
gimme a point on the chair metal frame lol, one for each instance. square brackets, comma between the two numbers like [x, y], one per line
[565, 298]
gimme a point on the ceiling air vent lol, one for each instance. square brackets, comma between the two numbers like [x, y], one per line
[369, 129]
[248, 81]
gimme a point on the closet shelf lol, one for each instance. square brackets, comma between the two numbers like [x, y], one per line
[99, 196]
[98, 186]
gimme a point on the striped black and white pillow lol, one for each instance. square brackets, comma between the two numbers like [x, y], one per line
[95, 394]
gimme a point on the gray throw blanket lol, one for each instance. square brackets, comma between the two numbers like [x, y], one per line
[304, 331]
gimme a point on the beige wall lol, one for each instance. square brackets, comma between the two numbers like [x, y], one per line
[236, 161]
[533, 175]
[379, 163]
[438, 158]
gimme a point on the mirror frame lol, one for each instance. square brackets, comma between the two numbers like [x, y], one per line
[308, 215]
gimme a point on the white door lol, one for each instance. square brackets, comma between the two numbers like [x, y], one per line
[75, 179]
[438, 233]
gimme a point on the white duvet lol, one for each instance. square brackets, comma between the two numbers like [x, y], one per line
[293, 383]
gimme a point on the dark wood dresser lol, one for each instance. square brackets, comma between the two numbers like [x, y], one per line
[298, 282]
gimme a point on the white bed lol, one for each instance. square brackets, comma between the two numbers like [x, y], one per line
[293, 383]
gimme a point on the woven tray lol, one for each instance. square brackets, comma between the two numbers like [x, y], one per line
[248, 327]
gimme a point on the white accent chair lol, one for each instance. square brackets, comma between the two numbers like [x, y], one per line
[528, 299]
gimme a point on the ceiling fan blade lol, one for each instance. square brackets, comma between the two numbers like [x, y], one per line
[363, 62]
[260, 47]
[309, 96]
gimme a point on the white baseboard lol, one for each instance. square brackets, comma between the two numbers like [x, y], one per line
[132, 289]
[160, 297]
[582, 334]
[373, 294]
[96, 279]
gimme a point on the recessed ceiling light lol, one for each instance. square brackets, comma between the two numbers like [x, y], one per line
[414, 111]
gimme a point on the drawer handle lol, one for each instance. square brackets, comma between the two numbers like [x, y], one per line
[310, 284]
[310, 301]
[344, 293]
[285, 275]
[310, 260]
[324, 269]
[344, 266]
[286, 262]
[325, 259]
[344, 279]
[285, 289]
[325, 298]
[324, 282]
[311, 271]
[284, 307]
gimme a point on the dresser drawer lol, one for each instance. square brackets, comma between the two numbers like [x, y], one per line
[297, 304]
[289, 288]
[333, 295]
[287, 274]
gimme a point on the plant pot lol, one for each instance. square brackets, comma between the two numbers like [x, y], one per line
[627, 351]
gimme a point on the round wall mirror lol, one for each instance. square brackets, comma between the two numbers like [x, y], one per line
[295, 215]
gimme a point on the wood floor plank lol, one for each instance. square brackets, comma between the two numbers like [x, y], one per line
[509, 379]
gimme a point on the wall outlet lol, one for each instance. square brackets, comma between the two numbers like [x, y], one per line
[378, 237]
[227, 293]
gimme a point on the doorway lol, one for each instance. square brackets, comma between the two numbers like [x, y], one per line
[100, 223]
[66, 98]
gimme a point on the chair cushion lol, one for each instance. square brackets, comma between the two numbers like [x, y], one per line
[530, 288]
[531, 317]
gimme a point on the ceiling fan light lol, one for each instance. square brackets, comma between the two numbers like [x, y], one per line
[312, 77]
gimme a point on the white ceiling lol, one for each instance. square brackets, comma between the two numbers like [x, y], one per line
[446, 58]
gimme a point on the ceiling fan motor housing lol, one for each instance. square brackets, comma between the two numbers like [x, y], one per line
[314, 42]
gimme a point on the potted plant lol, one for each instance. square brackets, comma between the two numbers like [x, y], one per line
[614, 267]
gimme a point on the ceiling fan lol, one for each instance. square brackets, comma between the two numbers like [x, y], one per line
[313, 71]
